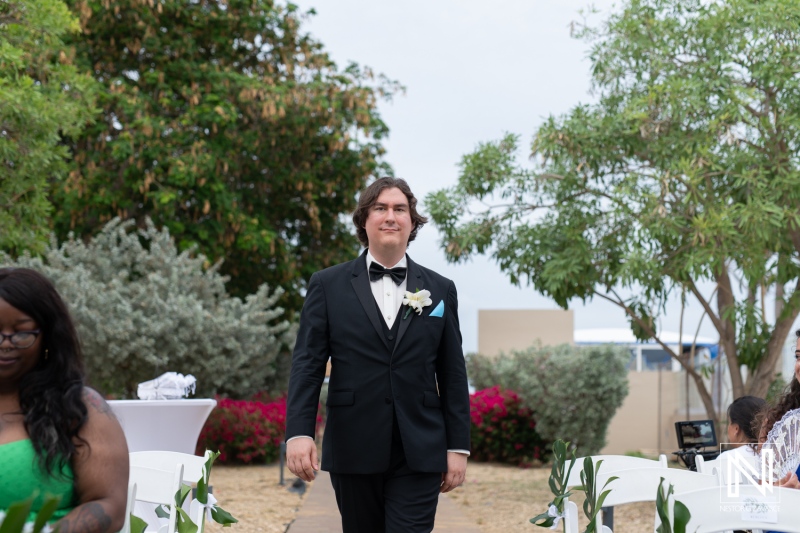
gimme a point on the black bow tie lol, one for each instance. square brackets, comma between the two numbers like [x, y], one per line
[377, 271]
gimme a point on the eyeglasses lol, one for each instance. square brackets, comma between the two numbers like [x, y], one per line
[21, 339]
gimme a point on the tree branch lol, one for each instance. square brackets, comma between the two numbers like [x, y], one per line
[727, 333]
[708, 402]
[706, 306]
[764, 374]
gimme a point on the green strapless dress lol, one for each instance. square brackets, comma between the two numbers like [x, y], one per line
[21, 478]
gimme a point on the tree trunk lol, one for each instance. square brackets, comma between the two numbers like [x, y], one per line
[705, 395]
[759, 382]
[727, 333]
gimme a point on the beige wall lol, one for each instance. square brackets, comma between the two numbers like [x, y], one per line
[505, 330]
[646, 420]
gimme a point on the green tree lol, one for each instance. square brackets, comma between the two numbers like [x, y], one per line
[42, 96]
[225, 123]
[684, 172]
[143, 308]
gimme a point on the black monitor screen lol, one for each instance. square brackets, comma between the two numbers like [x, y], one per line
[696, 434]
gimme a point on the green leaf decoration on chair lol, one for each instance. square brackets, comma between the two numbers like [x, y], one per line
[218, 514]
[559, 474]
[184, 522]
[593, 502]
[680, 514]
[137, 524]
[16, 516]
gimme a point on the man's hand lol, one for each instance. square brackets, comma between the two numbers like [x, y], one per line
[301, 458]
[456, 471]
[789, 481]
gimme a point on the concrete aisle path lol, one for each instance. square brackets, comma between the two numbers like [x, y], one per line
[319, 513]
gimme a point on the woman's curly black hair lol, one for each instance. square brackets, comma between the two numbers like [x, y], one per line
[788, 401]
[51, 394]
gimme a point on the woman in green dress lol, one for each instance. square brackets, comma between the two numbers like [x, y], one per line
[57, 436]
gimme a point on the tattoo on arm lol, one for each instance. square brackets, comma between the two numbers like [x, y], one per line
[87, 518]
[92, 398]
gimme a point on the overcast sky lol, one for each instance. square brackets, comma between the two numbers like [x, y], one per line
[473, 70]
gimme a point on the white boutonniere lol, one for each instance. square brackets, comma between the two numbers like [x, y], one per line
[416, 301]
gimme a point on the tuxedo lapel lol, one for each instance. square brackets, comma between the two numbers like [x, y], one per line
[363, 290]
[413, 282]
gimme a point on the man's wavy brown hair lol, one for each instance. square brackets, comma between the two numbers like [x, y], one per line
[369, 197]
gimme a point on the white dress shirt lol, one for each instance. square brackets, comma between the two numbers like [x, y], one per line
[387, 293]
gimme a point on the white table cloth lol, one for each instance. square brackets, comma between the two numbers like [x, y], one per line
[172, 425]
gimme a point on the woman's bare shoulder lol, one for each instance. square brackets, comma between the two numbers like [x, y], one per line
[95, 403]
[101, 424]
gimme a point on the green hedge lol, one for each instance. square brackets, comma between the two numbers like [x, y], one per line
[142, 308]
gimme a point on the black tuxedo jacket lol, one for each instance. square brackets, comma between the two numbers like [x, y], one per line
[423, 378]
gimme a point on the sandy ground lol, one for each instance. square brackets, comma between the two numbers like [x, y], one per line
[252, 495]
[498, 498]
[503, 499]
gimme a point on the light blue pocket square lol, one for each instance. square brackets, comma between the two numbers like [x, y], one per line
[438, 310]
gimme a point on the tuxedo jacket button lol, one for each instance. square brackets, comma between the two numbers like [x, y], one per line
[387, 400]
[391, 337]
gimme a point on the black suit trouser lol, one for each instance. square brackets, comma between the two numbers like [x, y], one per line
[396, 501]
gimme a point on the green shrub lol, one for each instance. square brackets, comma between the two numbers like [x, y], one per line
[142, 308]
[572, 391]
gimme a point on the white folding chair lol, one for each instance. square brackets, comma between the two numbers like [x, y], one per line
[612, 463]
[711, 514]
[126, 527]
[571, 519]
[707, 467]
[168, 460]
[192, 464]
[641, 485]
[157, 486]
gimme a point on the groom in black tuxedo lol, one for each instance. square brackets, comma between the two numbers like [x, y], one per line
[397, 432]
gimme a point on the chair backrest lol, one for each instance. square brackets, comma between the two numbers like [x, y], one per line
[707, 467]
[571, 519]
[131, 500]
[192, 471]
[641, 484]
[154, 485]
[711, 514]
[166, 460]
[615, 462]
